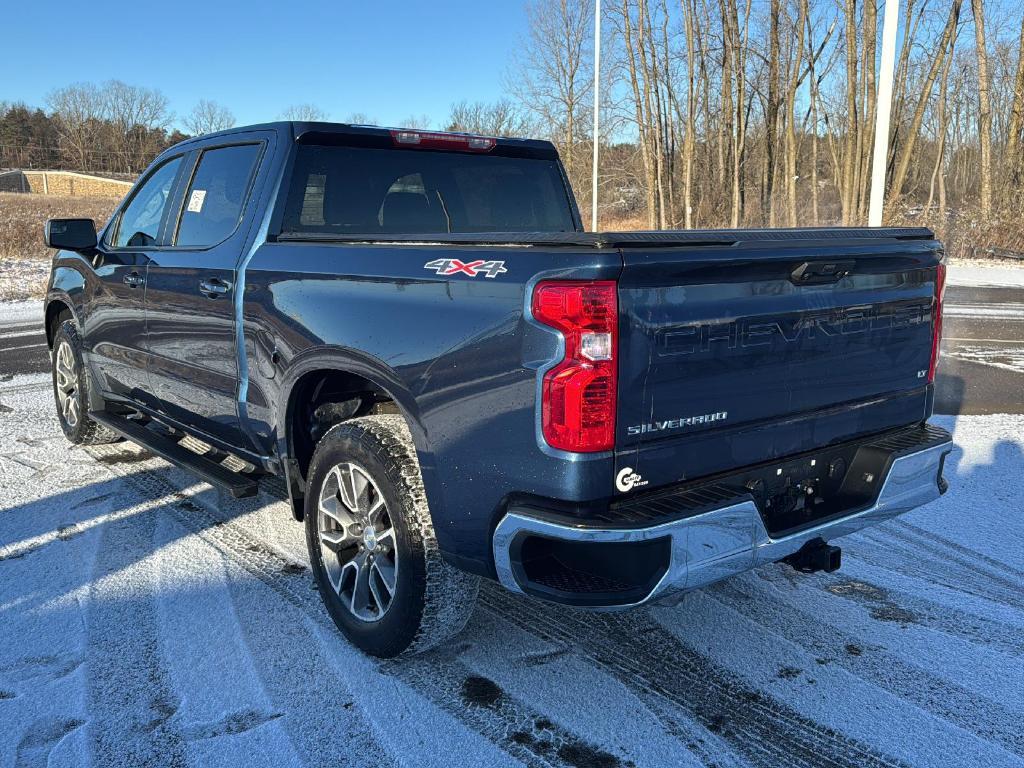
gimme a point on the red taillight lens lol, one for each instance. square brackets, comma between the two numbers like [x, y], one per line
[578, 395]
[940, 290]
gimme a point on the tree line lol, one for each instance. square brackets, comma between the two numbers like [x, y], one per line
[113, 128]
[713, 112]
[741, 113]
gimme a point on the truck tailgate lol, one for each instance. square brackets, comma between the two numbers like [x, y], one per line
[746, 351]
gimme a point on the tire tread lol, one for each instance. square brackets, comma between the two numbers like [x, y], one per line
[449, 593]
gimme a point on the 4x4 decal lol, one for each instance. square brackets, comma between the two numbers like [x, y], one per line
[471, 268]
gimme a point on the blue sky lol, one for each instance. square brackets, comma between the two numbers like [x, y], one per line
[388, 60]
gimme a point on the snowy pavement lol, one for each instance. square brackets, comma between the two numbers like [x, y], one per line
[982, 274]
[147, 620]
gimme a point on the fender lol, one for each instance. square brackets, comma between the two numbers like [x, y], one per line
[345, 360]
[67, 285]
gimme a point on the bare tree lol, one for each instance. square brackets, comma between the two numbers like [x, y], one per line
[360, 118]
[790, 116]
[984, 107]
[736, 47]
[690, 22]
[942, 128]
[1014, 138]
[499, 118]
[944, 49]
[134, 113]
[79, 111]
[208, 117]
[309, 113]
[553, 78]
[415, 121]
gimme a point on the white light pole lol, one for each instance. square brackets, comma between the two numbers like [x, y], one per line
[597, 109]
[884, 102]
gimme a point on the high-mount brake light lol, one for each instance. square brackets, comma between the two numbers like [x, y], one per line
[579, 394]
[435, 140]
[940, 291]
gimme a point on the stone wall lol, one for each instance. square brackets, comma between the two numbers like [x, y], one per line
[62, 183]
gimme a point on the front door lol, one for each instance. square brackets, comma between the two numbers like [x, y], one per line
[115, 327]
[190, 296]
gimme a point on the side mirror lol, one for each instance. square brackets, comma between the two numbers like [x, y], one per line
[70, 234]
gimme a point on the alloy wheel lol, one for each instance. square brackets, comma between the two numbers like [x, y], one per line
[66, 374]
[357, 542]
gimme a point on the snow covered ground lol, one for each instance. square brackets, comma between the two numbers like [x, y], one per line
[146, 620]
[981, 274]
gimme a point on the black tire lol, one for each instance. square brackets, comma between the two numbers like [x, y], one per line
[74, 418]
[432, 600]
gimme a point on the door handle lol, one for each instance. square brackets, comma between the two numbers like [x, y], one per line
[134, 279]
[214, 287]
[815, 273]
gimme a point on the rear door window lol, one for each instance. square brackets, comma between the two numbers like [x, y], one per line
[215, 198]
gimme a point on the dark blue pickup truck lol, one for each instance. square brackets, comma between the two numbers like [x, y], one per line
[455, 381]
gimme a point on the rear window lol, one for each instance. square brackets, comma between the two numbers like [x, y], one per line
[361, 190]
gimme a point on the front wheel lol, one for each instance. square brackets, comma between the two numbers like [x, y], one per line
[372, 546]
[71, 389]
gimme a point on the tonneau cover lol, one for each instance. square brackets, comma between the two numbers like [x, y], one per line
[641, 239]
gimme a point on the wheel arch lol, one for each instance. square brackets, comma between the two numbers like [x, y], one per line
[325, 376]
[56, 307]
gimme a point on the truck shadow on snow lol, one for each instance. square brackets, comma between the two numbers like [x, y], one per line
[514, 676]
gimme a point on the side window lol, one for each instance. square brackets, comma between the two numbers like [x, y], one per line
[214, 201]
[140, 220]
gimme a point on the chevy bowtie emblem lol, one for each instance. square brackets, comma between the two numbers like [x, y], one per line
[471, 268]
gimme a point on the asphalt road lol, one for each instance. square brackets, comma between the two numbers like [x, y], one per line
[22, 347]
[981, 369]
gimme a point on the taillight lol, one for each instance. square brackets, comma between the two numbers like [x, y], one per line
[940, 290]
[438, 140]
[578, 395]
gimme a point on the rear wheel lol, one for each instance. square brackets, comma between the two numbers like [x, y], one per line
[372, 546]
[71, 385]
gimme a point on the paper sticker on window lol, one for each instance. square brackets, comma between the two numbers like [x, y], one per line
[195, 202]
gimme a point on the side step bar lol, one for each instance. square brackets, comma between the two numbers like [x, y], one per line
[238, 485]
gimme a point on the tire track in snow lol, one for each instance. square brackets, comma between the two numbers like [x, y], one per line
[747, 721]
[239, 689]
[525, 733]
[18, 388]
[290, 581]
[892, 604]
[321, 721]
[757, 728]
[325, 727]
[40, 739]
[946, 569]
[130, 699]
[941, 545]
[986, 718]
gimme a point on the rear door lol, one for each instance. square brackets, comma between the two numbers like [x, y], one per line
[746, 351]
[190, 299]
[115, 326]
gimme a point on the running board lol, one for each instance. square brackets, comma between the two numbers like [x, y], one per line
[238, 485]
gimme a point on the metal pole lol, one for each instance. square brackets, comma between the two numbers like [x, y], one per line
[597, 109]
[885, 76]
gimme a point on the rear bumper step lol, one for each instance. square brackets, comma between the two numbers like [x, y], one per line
[598, 565]
[239, 486]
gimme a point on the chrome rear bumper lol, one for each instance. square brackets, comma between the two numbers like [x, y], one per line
[717, 544]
